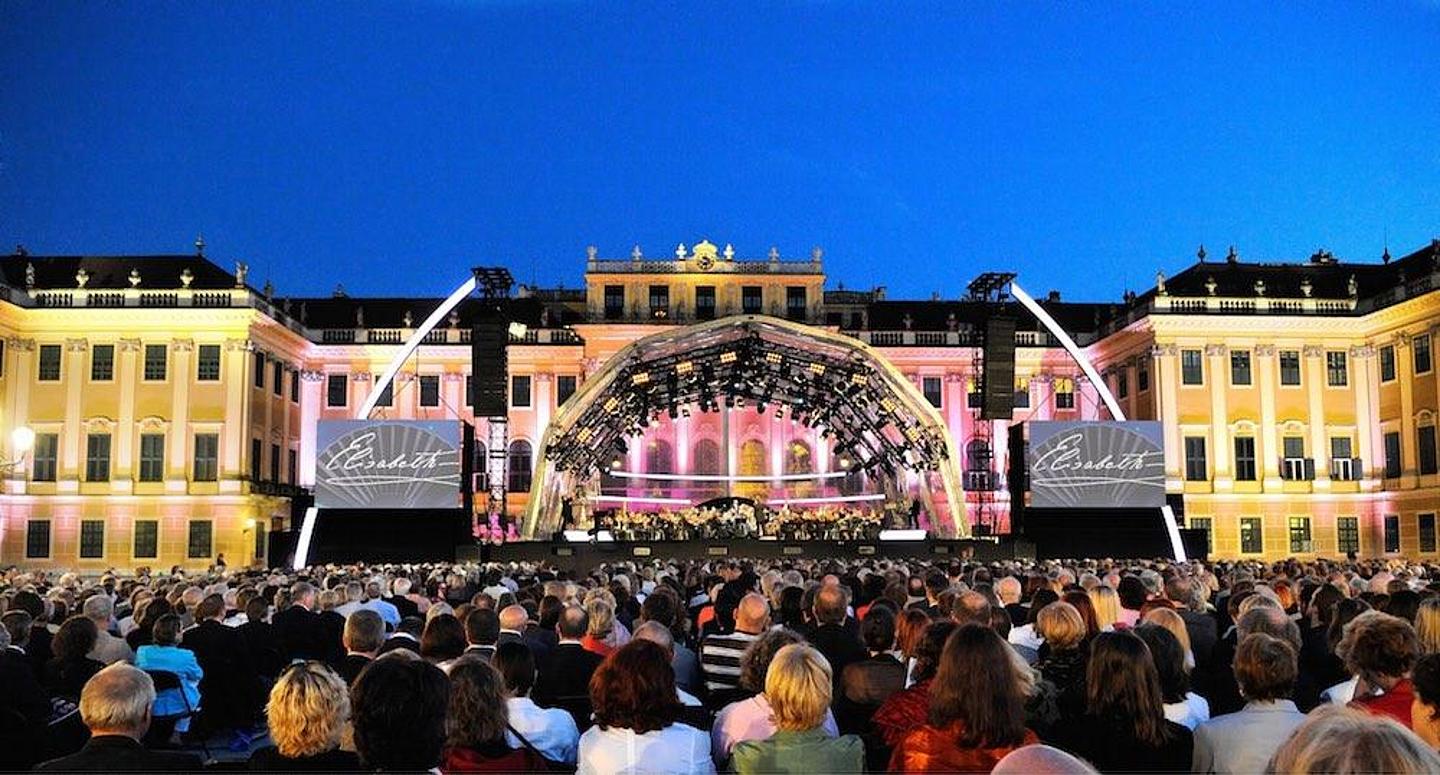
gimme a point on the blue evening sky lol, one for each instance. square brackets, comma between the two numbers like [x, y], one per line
[390, 146]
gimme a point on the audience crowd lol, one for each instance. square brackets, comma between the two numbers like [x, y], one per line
[875, 665]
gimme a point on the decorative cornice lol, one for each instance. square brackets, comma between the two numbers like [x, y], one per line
[954, 378]
[1216, 349]
[544, 378]
[182, 345]
[1402, 339]
[98, 425]
[1164, 351]
[128, 345]
[153, 423]
[1362, 351]
[1313, 351]
[1264, 351]
[312, 375]
[20, 345]
[360, 376]
[452, 376]
[236, 345]
[77, 345]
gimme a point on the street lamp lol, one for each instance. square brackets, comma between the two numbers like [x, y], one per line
[22, 440]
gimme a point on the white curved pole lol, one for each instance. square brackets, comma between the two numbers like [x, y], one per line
[1026, 301]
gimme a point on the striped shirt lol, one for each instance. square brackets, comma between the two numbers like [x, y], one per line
[720, 659]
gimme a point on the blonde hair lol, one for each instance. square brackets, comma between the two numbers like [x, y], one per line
[1343, 740]
[1171, 621]
[308, 709]
[602, 616]
[1107, 606]
[1061, 625]
[798, 686]
[1427, 625]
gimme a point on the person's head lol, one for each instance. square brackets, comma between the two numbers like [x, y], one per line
[1106, 604]
[1425, 708]
[1121, 682]
[752, 615]
[1132, 592]
[1061, 626]
[1080, 601]
[830, 604]
[909, 629]
[658, 634]
[444, 638]
[634, 688]
[302, 593]
[17, 622]
[1169, 659]
[364, 632]
[514, 618]
[482, 627]
[1008, 590]
[931, 646]
[478, 715]
[971, 607]
[99, 609]
[373, 589]
[1041, 759]
[760, 653]
[516, 664]
[602, 617]
[166, 630]
[1265, 667]
[1271, 620]
[1171, 621]
[978, 684]
[1379, 648]
[117, 700]
[308, 709]
[1427, 625]
[573, 623]
[256, 609]
[798, 686]
[1337, 739]
[75, 638]
[398, 705]
[877, 630]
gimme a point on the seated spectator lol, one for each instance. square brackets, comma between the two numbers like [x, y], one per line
[977, 708]
[602, 626]
[259, 638]
[798, 686]
[1080, 601]
[165, 655]
[633, 694]
[398, 706]
[721, 652]
[661, 636]
[150, 610]
[407, 635]
[1170, 620]
[24, 702]
[839, 646]
[116, 706]
[1024, 633]
[443, 641]
[1124, 725]
[1132, 595]
[108, 649]
[1244, 741]
[551, 731]
[308, 710]
[231, 685]
[476, 723]
[1182, 706]
[752, 717]
[70, 667]
[364, 635]
[1425, 710]
[299, 630]
[908, 709]
[869, 682]
[1343, 740]
[1063, 657]
[1041, 760]
[1380, 649]
[565, 675]
[1107, 607]
[482, 632]
[910, 627]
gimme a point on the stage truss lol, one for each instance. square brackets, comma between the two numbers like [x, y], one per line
[878, 419]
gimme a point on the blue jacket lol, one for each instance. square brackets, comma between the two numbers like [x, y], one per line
[172, 659]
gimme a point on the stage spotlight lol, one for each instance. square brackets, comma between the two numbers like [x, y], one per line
[617, 463]
[685, 411]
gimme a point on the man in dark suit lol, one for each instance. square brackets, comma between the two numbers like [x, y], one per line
[37, 645]
[541, 636]
[400, 599]
[21, 744]
[482, 632]
[364, 635]
[565, 674]
[407, 635]
[513, 619]
[1200, 625]
[831, 638]
[259, 638]
[231, 684]
[298, 629]
[115, 705]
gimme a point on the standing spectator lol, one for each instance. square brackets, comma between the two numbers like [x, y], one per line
[476, 723]
[400, 598]
[798, 686]
[721, 653]
[116, 706]
[551, 731]
[636, 712]
[1107, 607]
[165, 654]
[909, 709]
[482, 632]
[23, 701]
[108, 648]
[1124, 725]
[1189, 597]
[70, 667]
[399, 705]
[364, 635]
[231, 685]
[1335, 739]
[1380, 649]
[1244, 741]
[308, 710]
[298, 630]
[839, 646]
[751, 718]
[977, 708]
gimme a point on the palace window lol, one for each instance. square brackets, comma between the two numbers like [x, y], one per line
[614, 302]
[152, 457]
[795, 307]
[470, 390]
[274, 462]
[1022, 394]
[207, 363]
[147, 539]
[429, 389]
[660, 301]
[1192, 367]
[520, 456]
[1426, 523]
[292, 470]
[1300, 535]
[97, 457]
[1064, 394]
[1294, 465]
[156, 359]
[1392, 533]
[705, 302]
[1290, 367]
[1392, 455]
[49, 363]
[92, 539]
[520, 391]
[277, 378]
[1343, 465]
[1240, 368]
[259, 377]
[1244, 458]
[257, 453]
[1142, 380]
[102, 362]
[1425, 438]
[1347, 535]
[564, 388]
[1196, 466]
[387, 396]
[1387, 363]
[752, 299]
[200, 543]
[37, 539]
[1122, 384]
[207, 457]
[1252, 535]
[1337, 372]
[43, 457]
[933, 388]
[1421, 346]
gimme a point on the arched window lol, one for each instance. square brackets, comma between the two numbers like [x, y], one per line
[659, 459]
[752, 463]
[520, 461]
[480, 467]
[978, 456]
[707, 458]
[799, 460]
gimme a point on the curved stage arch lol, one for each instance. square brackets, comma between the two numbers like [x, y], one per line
[879, 417]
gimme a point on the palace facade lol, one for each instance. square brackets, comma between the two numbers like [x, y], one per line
[174, 405]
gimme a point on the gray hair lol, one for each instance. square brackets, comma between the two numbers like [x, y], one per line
[117, 698]
[98, 608]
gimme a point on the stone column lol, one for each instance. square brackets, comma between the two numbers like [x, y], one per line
[1167, 381]
[176, 446]
[238, 365]
[312, 389]
[1409, 444]
[1269, 442]
[72, 437]
[1365, 374]
[1220, 456]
